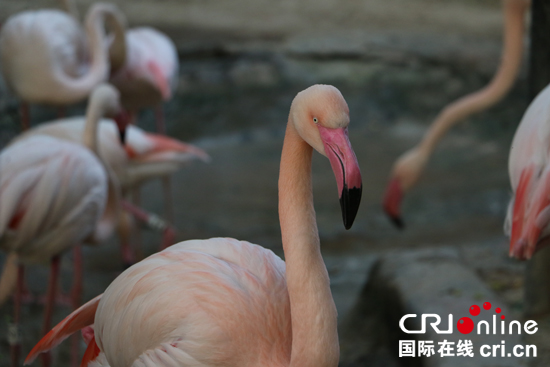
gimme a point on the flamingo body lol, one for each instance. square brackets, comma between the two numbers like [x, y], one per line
[213, 288]
[38, 46]
[52, 194]
[528, 219]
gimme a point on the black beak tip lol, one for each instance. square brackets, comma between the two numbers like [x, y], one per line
[122, 136]
[397, 222]
[349, 202]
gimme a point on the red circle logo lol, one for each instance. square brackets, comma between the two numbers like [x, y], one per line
[465, 325]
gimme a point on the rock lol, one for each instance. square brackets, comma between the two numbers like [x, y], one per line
[420, 282]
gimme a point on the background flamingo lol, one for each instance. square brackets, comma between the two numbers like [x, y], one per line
[144, 156]
[44, 55]
[52, 196]
[146, 79]
[528, 219]
[410, 165]
[232, 302]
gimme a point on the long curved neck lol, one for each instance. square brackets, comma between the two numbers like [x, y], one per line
[93, 114]
[314, 317]
[80, 88]
[514, 14]
[117, 48]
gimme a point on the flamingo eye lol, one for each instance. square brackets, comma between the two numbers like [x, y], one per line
[315, 120]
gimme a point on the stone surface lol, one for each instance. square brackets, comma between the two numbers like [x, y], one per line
[421, 282]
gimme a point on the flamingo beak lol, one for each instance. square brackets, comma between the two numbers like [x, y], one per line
[160, 80]
[122, 119]
[346, 169]
[392, 202]
[164, 144]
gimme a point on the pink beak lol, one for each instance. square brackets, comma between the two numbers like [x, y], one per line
[346, 169]
[161, 80]
[392, 202]
[164, 144]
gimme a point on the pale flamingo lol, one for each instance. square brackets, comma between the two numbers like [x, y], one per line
[148, 75]
[146, 79]
[44, 55]
[143, 157]
[528, 219]
[52, 195]
[223, 302]
[410, 165]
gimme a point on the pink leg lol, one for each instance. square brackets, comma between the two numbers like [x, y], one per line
[24, 111]
[50, 302]
[13, 329]
[125, 234]
[76, 296]
[166, 181]
[153, 222]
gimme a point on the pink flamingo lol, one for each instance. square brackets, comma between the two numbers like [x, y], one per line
[143, 157]
[146, 78]
[44, 55]
[223, 302]
[528, 219]
[410, 165]
[52, 195]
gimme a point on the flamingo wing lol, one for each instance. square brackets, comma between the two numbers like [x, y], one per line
[77, 320]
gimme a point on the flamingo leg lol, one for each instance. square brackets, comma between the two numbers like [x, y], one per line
[153, 222]
[50, 303]
[166, 181]
[24, 111]
[13, 329]
[125, 233]
[76, 298]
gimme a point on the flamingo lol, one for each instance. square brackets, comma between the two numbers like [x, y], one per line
[143, 157]
[410, 165]
[224, 302]
[146, 77]
[52, 195]
[528, 219]
[44, 55]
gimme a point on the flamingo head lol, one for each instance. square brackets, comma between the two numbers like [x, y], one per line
[531, 213]
[106, 98]
[322, 121]
[406, 172]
